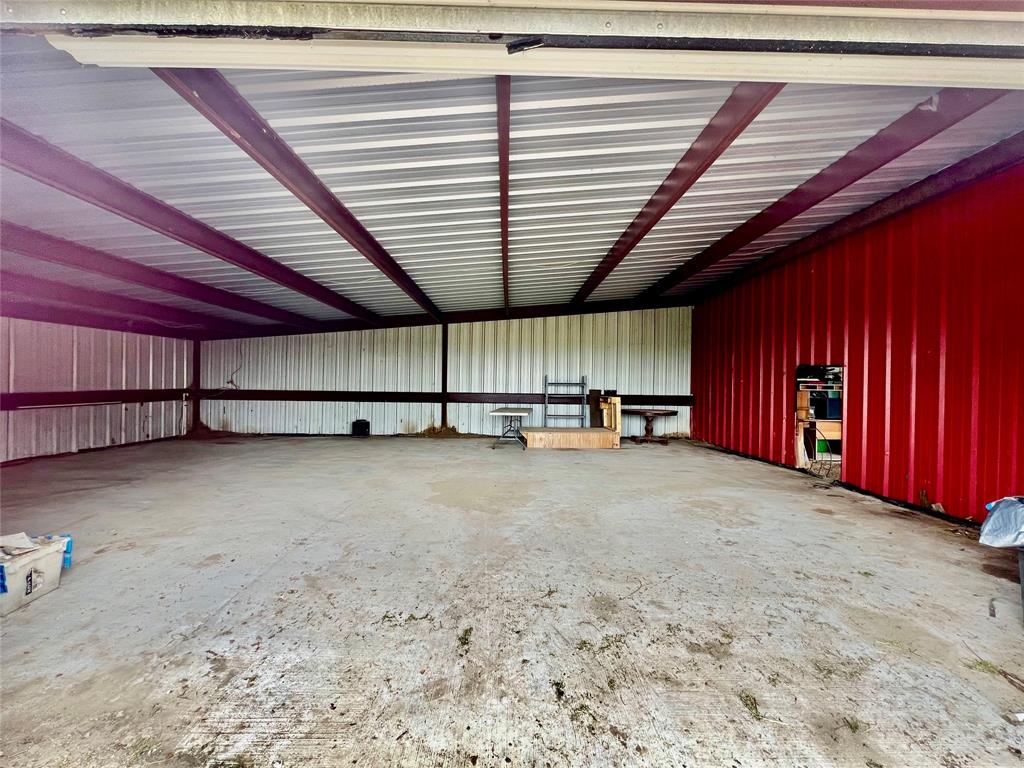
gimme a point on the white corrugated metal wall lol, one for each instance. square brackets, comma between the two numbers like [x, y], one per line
[644, 352]
[45, 357]
[392, 359]
[636, 353]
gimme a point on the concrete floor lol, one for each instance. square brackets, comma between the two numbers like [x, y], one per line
[407, 602]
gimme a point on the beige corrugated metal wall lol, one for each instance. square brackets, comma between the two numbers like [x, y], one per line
[636, 353]
[39, 357]
[646, 352]
[393, 359]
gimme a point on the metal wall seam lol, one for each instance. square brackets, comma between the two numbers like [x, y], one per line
[934, 364]
[643, 352]
[388, 359]
[57, 358]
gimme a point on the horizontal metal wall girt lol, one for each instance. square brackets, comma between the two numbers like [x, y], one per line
[928, 119]
[209, 92]
[739, 110]
[14, 401]
[353, 396]
[36, 158]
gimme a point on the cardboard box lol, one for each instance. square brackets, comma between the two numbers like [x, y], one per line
[30, 575]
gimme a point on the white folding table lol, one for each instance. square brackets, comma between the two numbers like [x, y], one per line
[512, 419]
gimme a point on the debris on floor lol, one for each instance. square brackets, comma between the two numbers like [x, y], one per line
[428, 618]
[30, 568]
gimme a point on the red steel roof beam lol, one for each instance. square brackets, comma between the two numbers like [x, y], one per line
[925, 121]
[16, 285]
[44, 247]
[27, 310]
[989, 161]
[739, 110]
[32, 156]
[217, 100]
[503, 94]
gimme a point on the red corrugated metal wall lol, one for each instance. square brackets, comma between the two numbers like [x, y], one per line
[925, 312]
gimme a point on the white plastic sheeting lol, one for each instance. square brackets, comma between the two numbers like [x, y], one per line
[45, 357]
[393, 359]
[636, 353]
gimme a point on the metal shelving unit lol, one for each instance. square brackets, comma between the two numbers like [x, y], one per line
[576, 390]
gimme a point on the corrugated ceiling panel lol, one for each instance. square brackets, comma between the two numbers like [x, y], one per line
[415, 158]
[415, 161]
[17, 263]
[393, 359]
[635, 353]
[128, 122]
[803, 130]
[40, 207]
[986, 127]
[57, 358]
[585, 157]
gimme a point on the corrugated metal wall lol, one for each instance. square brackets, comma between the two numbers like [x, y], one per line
[644, 352]
[44, 357]
[924, 312]
[636, 353]
[392, 360]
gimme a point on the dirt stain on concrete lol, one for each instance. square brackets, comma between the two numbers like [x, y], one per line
[480, 494]
[1007, 571]
[604, 606]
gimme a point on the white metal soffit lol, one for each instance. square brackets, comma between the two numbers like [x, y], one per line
[416, 161]
[484, 59]
[988, 126]
[804, 129]
[129, 123]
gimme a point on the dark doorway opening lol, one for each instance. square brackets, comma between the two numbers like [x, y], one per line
[819, 419]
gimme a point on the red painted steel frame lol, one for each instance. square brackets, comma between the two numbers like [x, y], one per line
[739, 110]
[217, 100]
[29, 287]
[946, 108]
[30, 155]
[44, 247]
[994, 159]
[503, 95]
[43, 313]
[923, 311]
[13, 401]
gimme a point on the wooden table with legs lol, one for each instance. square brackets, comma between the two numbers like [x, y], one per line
[649, 414]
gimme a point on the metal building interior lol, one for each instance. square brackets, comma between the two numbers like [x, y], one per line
[300, 301]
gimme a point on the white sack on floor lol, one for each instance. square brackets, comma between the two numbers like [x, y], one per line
[1004, 526]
